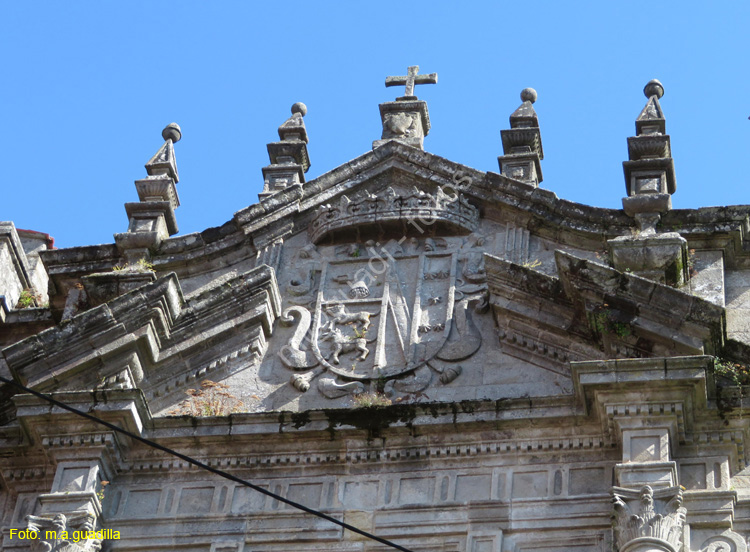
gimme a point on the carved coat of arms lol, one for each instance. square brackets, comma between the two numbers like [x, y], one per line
[382, 313]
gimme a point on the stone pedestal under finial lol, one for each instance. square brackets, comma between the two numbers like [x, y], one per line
[289, 159]
[650, 183]
[407, 119]
[152, 219]
[522, 143]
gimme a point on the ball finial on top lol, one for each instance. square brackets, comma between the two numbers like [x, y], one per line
[528, 95]
[653, 88]
[172, 132]
[300, 108]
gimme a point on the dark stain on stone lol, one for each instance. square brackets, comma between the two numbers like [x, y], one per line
[372, 419]
[300, 419]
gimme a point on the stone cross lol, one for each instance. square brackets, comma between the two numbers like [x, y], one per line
[411, 79]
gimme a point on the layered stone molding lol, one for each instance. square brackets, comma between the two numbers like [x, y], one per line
[451, 359]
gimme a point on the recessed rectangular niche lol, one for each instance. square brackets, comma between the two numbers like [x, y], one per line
[529, 484]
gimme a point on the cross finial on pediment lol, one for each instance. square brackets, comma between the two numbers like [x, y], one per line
[411, 79]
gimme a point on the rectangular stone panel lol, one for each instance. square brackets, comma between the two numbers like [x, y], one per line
[693, 476]
[583, 481]
[246, 500]
[417, 490]
[470, 488]
[196, 500]
[360, 494]
[529, 484]
[484, 542]
[644, 449]
[141, 503]
[74, 479]
[307, 494]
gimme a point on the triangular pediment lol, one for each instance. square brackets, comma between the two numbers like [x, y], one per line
[591, 311]
[154, 338]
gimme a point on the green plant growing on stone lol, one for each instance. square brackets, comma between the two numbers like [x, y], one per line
[369, 400]
[100, 492]
[27, 299]
[738, 373]
[142, 265]
[604, 321]
[532, 264]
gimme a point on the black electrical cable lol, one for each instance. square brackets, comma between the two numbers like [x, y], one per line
[201, 465]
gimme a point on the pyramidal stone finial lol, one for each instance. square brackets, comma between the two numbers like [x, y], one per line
[522, 143]
[152, 219]
[294, 127]
[406, 120]
[289, 158]
[164, 162]
[650, 183]
[651, 119]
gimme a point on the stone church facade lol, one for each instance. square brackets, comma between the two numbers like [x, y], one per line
[448, 359]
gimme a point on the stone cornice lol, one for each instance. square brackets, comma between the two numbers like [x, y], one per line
[593, 311]
[143, 331]
[148, 312]
[290, 211]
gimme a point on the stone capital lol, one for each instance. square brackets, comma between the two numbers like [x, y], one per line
[648, 521]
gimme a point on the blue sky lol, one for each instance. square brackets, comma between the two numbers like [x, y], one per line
[88, 87]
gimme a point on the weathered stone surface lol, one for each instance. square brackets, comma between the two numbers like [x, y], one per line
[436, 354]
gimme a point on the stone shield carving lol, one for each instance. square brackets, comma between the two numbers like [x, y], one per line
[379, 317]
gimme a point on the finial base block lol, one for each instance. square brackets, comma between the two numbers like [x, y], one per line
[524, 167]
[280, 177]
[662, 258]
[407, 121]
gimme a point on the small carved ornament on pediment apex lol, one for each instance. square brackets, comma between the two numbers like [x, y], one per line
[386, 317]
[400, 124]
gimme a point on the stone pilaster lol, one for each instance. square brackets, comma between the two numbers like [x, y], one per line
[84, 456]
